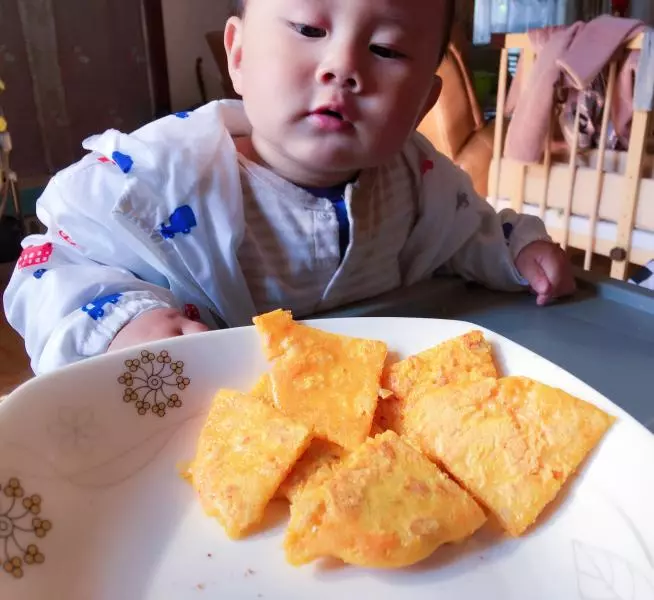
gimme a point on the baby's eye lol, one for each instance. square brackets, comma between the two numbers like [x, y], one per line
[309, 31]
[386, 52]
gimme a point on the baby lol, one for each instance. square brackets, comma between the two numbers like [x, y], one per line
[313, 192]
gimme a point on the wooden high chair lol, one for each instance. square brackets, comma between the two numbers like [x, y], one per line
[455, 125]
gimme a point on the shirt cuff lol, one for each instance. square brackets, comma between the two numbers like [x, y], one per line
[89, 332]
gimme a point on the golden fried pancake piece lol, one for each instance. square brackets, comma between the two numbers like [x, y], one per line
[328, 382]
[468, 357]
[386, 506]
[511, 442]
[245, 451]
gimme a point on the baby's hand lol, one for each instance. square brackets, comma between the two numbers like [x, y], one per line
[547, 269]
[157, 324]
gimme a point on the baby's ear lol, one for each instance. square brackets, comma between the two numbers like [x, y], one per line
[234, 50]
[432, 97]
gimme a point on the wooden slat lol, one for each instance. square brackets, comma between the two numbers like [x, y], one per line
[37, 19]
[632, 186]
[519, 171]
[572, 171]
[521, 41]
[547, 166]
[597, 192]
[494, 183]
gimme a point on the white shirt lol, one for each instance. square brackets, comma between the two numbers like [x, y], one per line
[172, 216]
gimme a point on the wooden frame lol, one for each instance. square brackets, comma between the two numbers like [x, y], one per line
[155, 41]
[602, 187]
[520, 41]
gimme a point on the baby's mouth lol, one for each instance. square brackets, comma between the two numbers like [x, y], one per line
[330, 120]
[330, 113]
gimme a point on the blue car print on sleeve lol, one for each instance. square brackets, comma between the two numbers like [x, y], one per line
[124, 162]
[95, 309]
[181, 221]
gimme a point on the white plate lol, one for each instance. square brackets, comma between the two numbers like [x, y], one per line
[125, 526]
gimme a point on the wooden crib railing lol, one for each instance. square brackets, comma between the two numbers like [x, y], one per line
[509, 179]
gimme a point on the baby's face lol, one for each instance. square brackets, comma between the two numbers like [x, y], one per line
[334, 86]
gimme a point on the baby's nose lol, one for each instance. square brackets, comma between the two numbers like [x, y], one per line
[341, 69]
[330, 76]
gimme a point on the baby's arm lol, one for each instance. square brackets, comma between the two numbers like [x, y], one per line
[77, 287]
[505, 250]
[517, 239]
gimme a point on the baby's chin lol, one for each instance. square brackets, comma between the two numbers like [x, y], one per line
[335, 160]
[312, 175]
[321, 163]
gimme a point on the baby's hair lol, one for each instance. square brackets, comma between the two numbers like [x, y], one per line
[238, 6]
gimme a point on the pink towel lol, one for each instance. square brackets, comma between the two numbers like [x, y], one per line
[622, 110]
[533, 100]
[594, 46]
[578, 52]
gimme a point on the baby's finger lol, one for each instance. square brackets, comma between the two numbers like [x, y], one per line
[537, 278]
[557, 270]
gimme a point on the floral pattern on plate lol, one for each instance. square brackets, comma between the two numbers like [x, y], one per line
[20, 525]
[151, 383]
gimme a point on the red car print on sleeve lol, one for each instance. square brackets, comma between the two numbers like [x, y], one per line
[35, 255]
